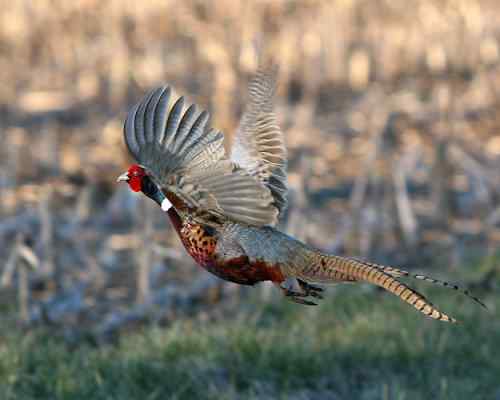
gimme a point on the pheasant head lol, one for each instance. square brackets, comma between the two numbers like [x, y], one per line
[134, 176]
[139, 180]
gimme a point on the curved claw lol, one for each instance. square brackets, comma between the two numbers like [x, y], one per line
[300, 300]
[310, 290]
[299, 296]
[315, 294]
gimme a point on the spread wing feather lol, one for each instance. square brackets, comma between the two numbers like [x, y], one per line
[185, 156]
[259, 145]
[235, 195]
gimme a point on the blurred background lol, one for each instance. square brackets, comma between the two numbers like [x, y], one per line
[390, 113]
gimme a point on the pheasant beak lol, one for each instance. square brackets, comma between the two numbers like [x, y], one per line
[123, 177]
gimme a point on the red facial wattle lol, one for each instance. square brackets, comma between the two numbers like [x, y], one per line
[135, 175]
[135, 183]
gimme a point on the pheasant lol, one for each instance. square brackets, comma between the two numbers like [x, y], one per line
[225, 207]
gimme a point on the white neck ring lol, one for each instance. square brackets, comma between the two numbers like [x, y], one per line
[166, 205]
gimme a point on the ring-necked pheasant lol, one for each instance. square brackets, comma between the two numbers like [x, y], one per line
[225, 208]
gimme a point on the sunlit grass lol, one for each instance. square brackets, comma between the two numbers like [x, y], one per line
[357, 345]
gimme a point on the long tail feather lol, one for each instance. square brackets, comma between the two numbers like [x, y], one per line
[395, 272]
[329, 267]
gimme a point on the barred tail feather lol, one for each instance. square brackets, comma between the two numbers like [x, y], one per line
[330, 267]
[398, 273]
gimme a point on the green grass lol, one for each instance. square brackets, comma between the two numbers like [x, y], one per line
[357, 345]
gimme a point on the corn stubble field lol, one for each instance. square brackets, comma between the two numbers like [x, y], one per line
[391, 119]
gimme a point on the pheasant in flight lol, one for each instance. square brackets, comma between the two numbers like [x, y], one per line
[225, 208]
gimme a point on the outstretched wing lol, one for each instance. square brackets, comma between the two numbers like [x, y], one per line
[259, 145]
[174, 142]
[168, 137]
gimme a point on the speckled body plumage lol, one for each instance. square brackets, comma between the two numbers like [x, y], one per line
[225, 209]
[223, 257]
